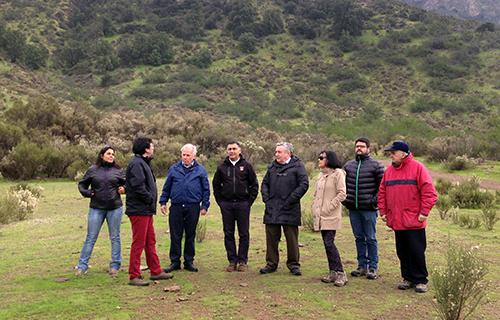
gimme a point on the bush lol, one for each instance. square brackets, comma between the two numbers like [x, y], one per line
[202, 59]
[443, 205]
[351, 85]
[459, 286]
[455, 163]
[307, 220]
[454, 214]
[443, 186]
[248, 43]
[468, 221]
[201, 230]
[467, 194]
[489, 216]
[18, 203]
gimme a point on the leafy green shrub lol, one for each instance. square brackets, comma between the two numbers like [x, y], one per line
[10, 136]
[194, 102]
[307, 220]
[201, 230]
[459, 287]
[467, 194]
[445, 85]
[443, 205]
[443, 186]
[155, 77]
[103, 101]
[489, 214]
[341, 74]
[248, 43]
[201, 59]
[454, 214]
[351, 85]
[455, 163]
[397, 59]
[468, 221]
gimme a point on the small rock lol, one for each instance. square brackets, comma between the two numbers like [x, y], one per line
[181, 299]
[175, 288]
[301, 245]
[61, 280]
[243, 284]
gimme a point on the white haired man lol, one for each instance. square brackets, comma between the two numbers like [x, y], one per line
[188, 189]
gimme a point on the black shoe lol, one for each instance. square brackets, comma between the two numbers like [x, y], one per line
[172, 267]
[267, 269]
[190, 267]
[359, 272]
[296, 271]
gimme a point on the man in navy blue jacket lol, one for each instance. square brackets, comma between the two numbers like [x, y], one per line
[188, 189]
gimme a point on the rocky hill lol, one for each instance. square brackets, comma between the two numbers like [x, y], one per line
[483, 10]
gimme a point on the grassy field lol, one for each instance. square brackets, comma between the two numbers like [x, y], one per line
[37, 281]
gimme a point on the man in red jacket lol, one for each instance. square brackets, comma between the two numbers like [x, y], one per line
[405, 198]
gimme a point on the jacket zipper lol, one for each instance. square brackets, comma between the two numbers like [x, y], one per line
[357, 177]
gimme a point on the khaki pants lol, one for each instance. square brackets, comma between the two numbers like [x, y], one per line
[273, 236]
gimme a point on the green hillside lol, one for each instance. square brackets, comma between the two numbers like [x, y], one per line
[319, 73]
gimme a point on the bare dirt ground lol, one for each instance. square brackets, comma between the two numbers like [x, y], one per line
[486, 184]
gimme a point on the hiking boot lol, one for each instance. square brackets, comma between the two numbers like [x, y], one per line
[190, 267]
[231, 267]
[162, 276]
[296, 271]
[341, 279]
[139, 282]
[405, 285]
[359, 272]
[242, 267]
[113, 273]
[267, 269]
[421, 288]
[329, 278]
[372, 274]
[172, 267]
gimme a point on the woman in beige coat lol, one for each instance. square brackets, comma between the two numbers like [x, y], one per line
[327, 211]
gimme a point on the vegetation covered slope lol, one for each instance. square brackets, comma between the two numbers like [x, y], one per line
[319, 72]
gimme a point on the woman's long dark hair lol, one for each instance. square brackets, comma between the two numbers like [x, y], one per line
[332, 161]
[99, 162]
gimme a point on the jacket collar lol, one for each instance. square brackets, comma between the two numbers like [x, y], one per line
[227, 161]
[362, 157]
[405, 162]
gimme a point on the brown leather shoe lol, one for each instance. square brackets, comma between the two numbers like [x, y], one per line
[139, 282]
[231, 267]
[162, 276]
[113, 273]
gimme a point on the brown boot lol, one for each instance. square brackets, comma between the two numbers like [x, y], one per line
[231, 267]
[341, 279]
[139, 282]
[242, 267]
[161, 276]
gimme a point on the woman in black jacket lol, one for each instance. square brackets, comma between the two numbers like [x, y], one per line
[106, 181]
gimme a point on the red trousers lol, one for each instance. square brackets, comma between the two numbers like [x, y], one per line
[143, 238]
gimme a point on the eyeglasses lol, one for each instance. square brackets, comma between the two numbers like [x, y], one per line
[321, 158]
[232, 148]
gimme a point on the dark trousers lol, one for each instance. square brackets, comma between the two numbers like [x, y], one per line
[236, 213]
[410, 247]
[273, 236]
[332, 253]
[183, 219]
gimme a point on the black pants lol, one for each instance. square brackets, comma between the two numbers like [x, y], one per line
[410, 247]
[183, 218]
[273, 236]
[332, 253]
[236, 213]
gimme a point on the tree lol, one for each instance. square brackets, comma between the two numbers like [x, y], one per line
[242, 17]
[248, 43]
[347, 17]
[35, 57]
[13, 42]
[202, 59]
[272, 22]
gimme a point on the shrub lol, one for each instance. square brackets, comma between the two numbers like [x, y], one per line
[18, 203]
[443, 186]
[351, 85]
[467, 194]
[307, 220]
[459, 286]
[489, 216]
[455, 163]
[468, 221]
[443, 205]
[202, 59]
[201, 230]
[248, 43]
[454, 214]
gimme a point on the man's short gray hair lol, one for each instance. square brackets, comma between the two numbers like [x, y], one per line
[189, 146]
[287, 145]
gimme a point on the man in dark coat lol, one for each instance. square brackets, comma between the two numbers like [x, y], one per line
[141, 198]
[235, 189]
[283, 186]
[363, 176]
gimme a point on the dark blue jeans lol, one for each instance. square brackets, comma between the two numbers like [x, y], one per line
[238, 213]
[363, 223]
[183, 219]
[410, 248]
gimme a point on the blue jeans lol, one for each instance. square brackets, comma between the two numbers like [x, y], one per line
[95, 220]
[363, 223]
